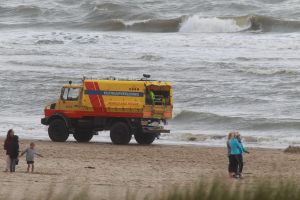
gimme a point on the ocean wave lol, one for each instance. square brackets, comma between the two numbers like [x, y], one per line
[213, 25]
[50, 42]
[204, 137]
[273, 141]
[238, 24]
[221, 122]
[269, 72]
[186, 115]
[21, 10]
[151, 25]
[270, 24]
[180, 24]
[110, 11]
[130, 17]
[196, 24]
[154, 16]
[149, 57]
[108, 25]
[200, 137]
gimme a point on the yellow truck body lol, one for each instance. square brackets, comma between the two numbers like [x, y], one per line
[97, 105]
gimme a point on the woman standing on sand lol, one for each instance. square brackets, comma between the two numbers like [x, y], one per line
[14, 153]
[7, 147]
[237, 149]
[231, 159]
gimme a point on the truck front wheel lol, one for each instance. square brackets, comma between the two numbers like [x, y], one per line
[144, 138]
[119, 133]
[58, 131]
[83, 136]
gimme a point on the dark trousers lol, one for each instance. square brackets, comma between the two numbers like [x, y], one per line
[13, 164]
[239, 164]
[232, 164]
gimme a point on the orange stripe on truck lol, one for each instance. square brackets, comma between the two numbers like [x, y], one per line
[167, 114]
[147, 114]
[94, 99]
[100, 97]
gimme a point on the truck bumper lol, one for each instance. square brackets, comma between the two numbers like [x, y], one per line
[155, 130]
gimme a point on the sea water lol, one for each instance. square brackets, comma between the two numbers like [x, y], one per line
[235, 65]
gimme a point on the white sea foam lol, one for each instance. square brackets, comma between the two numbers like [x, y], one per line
[196, 23]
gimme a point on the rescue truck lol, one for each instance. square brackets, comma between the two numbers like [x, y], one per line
[123, 107]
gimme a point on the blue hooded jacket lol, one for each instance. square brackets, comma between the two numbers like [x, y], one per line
[236, 147]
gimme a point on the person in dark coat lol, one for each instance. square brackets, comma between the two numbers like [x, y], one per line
[7, 143]
[14, 153]
[239, 157]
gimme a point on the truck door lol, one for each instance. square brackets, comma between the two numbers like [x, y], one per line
[70, 98]
[158, 97]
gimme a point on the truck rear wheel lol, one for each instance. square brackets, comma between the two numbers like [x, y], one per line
[119, 133]
[58, 131]
[83, 136]
[144, 138]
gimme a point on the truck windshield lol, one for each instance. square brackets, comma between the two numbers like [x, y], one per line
[70, 94]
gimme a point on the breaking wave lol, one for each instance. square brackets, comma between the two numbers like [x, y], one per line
[197, 24]
[212, 25]
[238, 24]
[151, 25]
[235, 123]
[131, 17]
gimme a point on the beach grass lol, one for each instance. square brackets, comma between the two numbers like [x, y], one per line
[215, 190]
[292, 149]
[219, 190]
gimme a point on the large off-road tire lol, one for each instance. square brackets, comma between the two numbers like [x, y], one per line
[58, 131]
[83, 136]
[144, 138]
[120, 133]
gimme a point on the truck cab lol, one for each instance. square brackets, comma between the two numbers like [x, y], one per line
[70, 97]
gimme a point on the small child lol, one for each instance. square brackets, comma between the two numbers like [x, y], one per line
[30, 152]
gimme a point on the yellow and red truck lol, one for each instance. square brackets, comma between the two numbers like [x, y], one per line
[124, 107]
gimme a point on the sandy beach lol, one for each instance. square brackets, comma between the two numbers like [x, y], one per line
[112, 172]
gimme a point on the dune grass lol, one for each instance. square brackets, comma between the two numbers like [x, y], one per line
[220, 190]
[292, 149]
[264, 190]
[215, 190]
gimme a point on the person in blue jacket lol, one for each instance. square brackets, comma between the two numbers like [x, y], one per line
[231, 158]
[237, 149]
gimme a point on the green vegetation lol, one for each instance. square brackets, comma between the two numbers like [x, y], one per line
[216, 190]
[292, 149]
[223, 191]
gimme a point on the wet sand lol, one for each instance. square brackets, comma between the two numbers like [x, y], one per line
[113, 172]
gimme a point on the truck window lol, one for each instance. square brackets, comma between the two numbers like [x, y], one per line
[157, 97]
[70, 94]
